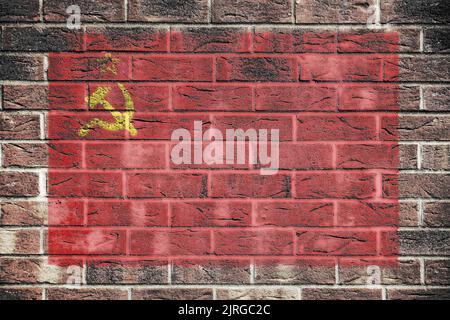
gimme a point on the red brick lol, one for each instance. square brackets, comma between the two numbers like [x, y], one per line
[64, 155]
[212, 98]
[64, 96]
[340, 67]
[166, 185]
[86, 241]
[368, 41]
[125, 155]
[367, 156]
[255, 68]
[94, 66]
[289, 213]
[172, 68]
[296, 98]
[126, 213]
[176, 242]
[85, 184]
[336, 127]
[367, 214]
[238, 185]
[253, 242]
[65, 212]
[341, 185]
[304, 156]
[336, 242]
[211, 214]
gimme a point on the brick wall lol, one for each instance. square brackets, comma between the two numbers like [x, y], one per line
[364, 124]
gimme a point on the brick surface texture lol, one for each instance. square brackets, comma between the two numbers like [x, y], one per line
[93, 207]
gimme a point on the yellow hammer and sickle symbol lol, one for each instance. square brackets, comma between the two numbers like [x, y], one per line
[123, 120]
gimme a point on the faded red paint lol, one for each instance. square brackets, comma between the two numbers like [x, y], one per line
[118, 197]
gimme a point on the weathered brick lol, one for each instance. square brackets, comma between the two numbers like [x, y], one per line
[408, 214]
[340, 294]
[358, 272]
[168, 11]
[424, 242]
[437, 272]
[91, 10]
[420, 185]
[268, 69]
[24, 155]
[172, 294]
[210, 39]
[211, 271]
[63, 212]
[418, 294]
[19, 241]
[437, 39]
[19, 126]
[425, 128]
[41, 39]
[237, 185]
[116, 271]
[407, 156]
[23, 213]
[21, 67]
[437, 214]
[436, 157]
[25, 97]
[294, 271]
[288, 40]
[333, 11]
[436, 98]
[86, 294]
[19, 184]
[417, 68]
[126, 39]
[257, 294]
[19, 11]
[252, 11]
[415, 11]
[18, 293]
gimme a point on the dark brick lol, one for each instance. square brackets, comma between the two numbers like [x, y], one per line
[25, 97]
[437, 39]
[258, 294]
[86, 294]
[424, 128]
[23, 213]
[437, 214]
[436, 157]
[333, 11]
[408, 156]
[25, 155]
[437, 272]
[251, 11]
[436, 98]
[172, 294]
[355, 272]
[41, 39]
[210, 271]
[19, 11]
[126, 272]
[418, 294]
[340, 294]
[17, 184]
[418, 68]
[207, 39]
[21, 67]
[422, 185]
[409, 214]
[19, 126]
[415, 11]
[91, 10]
[20, 293]
[424, 242]
[168, 10]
